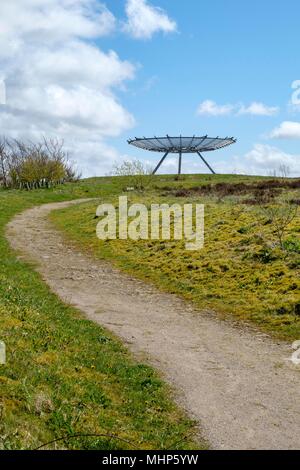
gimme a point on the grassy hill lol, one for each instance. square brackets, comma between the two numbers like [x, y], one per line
[66, 375]
[243, 272]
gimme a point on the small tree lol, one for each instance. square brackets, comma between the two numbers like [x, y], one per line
[136, 174]
[284, 170]
[280, 216]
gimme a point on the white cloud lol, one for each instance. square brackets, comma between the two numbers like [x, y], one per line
[211, 108]
[76, 62]
[99, 156]
[262, 160]
[259, 109]
[144, 20]
[52, 20]
[286, 130]
[58, 83]
[268, 157]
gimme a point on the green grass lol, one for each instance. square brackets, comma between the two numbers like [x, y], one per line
[66, 375]
[241, 273]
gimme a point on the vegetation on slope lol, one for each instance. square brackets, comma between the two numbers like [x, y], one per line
[66, 375]
[244, 271]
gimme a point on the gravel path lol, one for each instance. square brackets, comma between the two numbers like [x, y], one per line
[235, 381]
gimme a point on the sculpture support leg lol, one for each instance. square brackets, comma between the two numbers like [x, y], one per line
[161, 161]
[179, 163]
[204, 161]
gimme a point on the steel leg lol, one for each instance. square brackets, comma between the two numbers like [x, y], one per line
[213, 172]
[179, 163]
[161, 161]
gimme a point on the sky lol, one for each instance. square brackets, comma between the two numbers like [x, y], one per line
[98, 72]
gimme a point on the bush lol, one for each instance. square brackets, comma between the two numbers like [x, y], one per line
[34, 165]
[280, 216]
[136, 175]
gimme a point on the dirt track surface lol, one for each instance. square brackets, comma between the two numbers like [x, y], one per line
[236, 382]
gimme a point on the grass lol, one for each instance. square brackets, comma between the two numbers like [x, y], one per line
[241, 273]
[66, 375]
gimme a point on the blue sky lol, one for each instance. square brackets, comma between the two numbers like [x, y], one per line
[226, 51]
[203, 67]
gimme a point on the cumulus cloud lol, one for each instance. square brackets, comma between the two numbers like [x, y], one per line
[57, 81]
[211, 108]
[144, 20]
[258, 109]
[269, 157]
[286, 130]
[51, 20]
[262, 160]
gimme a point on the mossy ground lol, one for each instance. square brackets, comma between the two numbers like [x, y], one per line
[66, 375]
[241, 272]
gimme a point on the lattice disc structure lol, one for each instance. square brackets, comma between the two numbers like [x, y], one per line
[182, 145]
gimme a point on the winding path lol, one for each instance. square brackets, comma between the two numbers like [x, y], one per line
[235, 381]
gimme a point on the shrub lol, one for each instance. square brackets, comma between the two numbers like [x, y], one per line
[33, 165]
[136, 175]
[279, 216]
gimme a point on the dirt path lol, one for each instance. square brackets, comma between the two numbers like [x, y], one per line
[236, 382]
